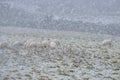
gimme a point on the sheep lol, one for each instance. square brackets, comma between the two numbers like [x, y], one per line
[18, 43]
[107, 42]
[56, 41]
[33, 43]
[53, 45]
[45, 43]
[30, 42]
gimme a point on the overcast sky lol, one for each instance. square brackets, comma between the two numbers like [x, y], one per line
[63, 7]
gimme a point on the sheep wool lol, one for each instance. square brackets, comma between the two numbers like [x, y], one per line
[107, 42]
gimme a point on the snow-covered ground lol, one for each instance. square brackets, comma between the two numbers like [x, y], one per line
[79, 56]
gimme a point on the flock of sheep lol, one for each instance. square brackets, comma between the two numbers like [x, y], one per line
[51, 43]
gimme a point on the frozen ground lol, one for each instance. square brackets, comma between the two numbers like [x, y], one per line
[80, 56]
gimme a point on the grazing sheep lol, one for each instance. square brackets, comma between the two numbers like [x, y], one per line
[107, 42]
[18, 43]
[29, 42]
[32, 43]
[45, 43]
[53, 45]
[56, 41]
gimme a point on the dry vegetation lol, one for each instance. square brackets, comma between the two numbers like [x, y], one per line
[59, 57]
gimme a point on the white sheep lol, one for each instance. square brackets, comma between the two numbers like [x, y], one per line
[107, 42]
[33, 43]
[45, 43]
[56, 41]
[29, 42]
[53, 45]
[18, 43]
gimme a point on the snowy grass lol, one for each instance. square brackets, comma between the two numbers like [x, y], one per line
[78, 57]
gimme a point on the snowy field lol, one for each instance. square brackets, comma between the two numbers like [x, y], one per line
[76, 56]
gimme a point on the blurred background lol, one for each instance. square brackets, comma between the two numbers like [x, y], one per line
[95, 16]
